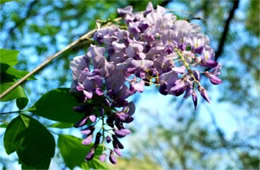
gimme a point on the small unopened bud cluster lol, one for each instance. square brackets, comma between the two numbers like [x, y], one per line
[109, 133]
[155, 48]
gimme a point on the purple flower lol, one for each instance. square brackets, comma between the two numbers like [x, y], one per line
[168, 79]
[178, 88]
[181, 69]
[208, 63]
[82, 122]
[155, 48]
[77, 65]
[124, 11]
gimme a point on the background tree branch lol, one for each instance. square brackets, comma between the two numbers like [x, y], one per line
[224, 35]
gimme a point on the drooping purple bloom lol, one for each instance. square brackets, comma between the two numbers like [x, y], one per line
[155, 48]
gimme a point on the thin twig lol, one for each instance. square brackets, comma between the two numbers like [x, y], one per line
[5, 113]
[226, 29]
[48, 60]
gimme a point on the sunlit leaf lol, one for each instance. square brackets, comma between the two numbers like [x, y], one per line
[61, 125]
[8, 56]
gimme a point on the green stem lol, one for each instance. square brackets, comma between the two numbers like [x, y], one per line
[186, 64]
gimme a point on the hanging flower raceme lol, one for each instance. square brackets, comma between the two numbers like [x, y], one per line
[155, 48]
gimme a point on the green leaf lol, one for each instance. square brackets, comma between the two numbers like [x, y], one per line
[7, 69]
[95, 163]
[74, 153]
[61, 125]
[4, 124]
[8, 56]
[5, 1]
[33, 143]
[21, 102]
[13, 135]
[57, 105]
[18, 92]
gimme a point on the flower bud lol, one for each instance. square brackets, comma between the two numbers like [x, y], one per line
[178, 88]
[112, 157]
[188, 92]
[81, 123]
[108, 139]
[122, 132]
[97, 141]
[92, 118]
[88, 140]
[121, 116]
[163, 89]
[196, 74]
[103, 157]
[204, 93]
[194, 98]
[117, 151]
[129, 119]
[117, 142]
[90, 155]
[110, 121]
[213, 79]
[208, 63]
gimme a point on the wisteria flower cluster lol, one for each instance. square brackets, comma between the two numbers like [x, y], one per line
[154, 49]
